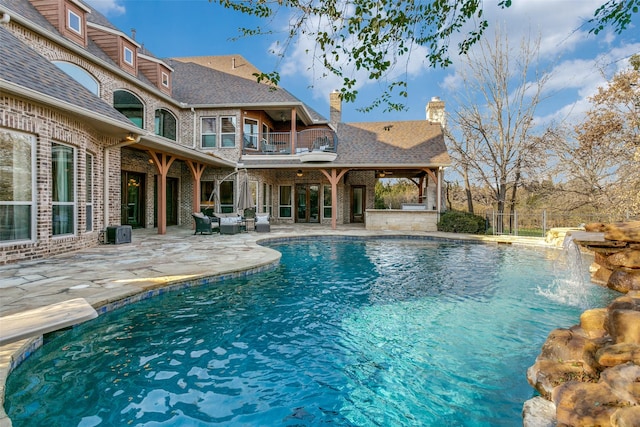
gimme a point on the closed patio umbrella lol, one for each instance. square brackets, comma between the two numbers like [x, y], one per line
[244, 194]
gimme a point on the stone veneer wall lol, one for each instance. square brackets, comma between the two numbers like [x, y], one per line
[589, 375]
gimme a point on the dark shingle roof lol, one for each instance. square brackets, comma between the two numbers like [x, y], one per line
[417, 143]
[26, 9]
[24, 67]
[196, 84]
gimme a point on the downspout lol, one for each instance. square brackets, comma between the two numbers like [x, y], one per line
[195, 139]
[105, 190]
[439, 194]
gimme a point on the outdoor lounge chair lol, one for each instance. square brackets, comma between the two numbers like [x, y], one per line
[203, 223]
[262, 223]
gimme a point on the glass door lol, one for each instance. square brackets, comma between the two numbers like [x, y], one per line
[308, 203]
[172, 201]
[357, 203]
[132, 199]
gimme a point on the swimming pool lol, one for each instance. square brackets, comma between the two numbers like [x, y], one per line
[352, 333]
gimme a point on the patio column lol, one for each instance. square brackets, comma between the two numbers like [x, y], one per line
[294, 131]
[163, 162]
[436, 179]
[197, 169]
[334, 177]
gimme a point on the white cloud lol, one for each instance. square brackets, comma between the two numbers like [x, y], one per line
[108, 7]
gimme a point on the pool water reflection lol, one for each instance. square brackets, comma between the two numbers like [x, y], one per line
[352, 333]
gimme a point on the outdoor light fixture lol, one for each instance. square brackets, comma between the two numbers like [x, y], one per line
[299, 173]
[129, 138]
[381, 174]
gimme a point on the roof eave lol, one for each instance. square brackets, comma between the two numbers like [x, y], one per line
[150, 141]
[100, 122]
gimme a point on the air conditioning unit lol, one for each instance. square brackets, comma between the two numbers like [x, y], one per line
[119, 234]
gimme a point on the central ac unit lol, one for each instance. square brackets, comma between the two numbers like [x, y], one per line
[119, 234]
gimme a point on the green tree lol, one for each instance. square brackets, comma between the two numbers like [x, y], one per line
[375, 35]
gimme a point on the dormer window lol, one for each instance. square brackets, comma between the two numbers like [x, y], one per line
[128, 56]
[74, 22]
[165, 79]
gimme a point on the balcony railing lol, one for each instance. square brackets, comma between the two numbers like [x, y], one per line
[282, 143]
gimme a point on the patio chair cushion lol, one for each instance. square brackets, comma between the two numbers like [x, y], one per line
[230, 220]
[262, 218]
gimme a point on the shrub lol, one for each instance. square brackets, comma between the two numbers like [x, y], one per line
[461, 222]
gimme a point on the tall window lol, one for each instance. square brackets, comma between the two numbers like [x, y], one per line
[129, 105]
[165, 124]
[286, 201]
[266, 198]
[17, 186]
[228, 131]
[253, 190]
[208, 132]
[227, 197]
[88, 179]
[63, 189]
[250, 134]
[326, 201]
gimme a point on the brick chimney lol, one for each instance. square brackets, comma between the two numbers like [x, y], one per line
[435, 111]
[335, 108]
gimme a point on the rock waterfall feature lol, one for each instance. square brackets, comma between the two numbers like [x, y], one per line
[589, 374]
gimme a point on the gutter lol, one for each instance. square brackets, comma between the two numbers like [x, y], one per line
[55, 102]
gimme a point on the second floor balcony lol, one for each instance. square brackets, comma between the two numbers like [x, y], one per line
[316, 141]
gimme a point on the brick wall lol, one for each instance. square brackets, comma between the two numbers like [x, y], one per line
[49, 126]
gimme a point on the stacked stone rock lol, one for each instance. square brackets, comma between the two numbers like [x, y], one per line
[589, 375]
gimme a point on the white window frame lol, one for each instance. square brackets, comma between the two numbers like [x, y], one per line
[267, 191]
[71, 17]
[325, 188]
[89, 212]
[214, 132]
[250, 134]
[74, 193]
[290, 206]
[165, 79]
[128, 56]
[80, 75]
[30, 203]
[233, 119]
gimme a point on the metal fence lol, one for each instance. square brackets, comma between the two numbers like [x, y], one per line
[518, 223]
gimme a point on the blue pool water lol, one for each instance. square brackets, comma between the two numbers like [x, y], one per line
[346, 333]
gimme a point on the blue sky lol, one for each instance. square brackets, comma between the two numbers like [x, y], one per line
[578, 62]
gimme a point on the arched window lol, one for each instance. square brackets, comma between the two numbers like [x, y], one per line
[129, 105]
[80, 75]
[166, 124]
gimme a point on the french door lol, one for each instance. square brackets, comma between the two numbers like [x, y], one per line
[308, 203]
[357, 203]
[132, 199]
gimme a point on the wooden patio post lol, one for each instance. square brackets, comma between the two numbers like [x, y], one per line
[197, 169]
[163, 162]
[334, 177]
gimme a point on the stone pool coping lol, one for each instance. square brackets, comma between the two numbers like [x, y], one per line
[112, 276]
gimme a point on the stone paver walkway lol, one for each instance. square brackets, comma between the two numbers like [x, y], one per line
[107, 274]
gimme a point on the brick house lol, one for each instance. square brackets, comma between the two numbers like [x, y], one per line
[96, 131]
